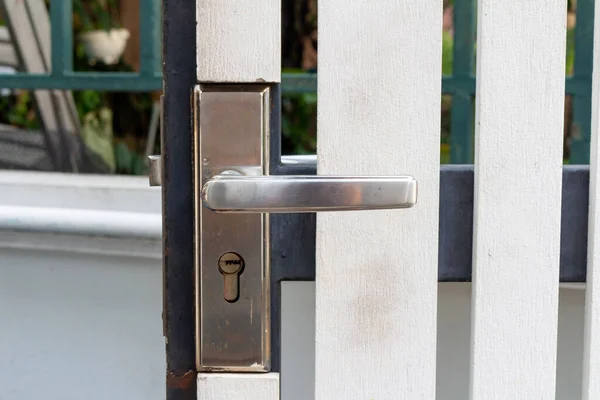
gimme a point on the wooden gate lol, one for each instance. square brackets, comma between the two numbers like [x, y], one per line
[377, 272]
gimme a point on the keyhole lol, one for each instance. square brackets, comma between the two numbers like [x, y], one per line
[231, 266]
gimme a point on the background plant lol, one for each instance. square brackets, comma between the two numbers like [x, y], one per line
[95, 15]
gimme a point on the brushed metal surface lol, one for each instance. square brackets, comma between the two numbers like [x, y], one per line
[234, 193]
[231, 132]
[155, 170]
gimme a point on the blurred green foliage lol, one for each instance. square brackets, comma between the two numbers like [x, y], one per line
[299, 122]
[17, 110]
[570, 62]
[95, 14]
[129, 113]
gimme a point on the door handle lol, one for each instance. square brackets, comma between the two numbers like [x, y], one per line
[234, 195]
[232, 192]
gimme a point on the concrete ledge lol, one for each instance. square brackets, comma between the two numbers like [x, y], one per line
[94, 214]
[81, 222]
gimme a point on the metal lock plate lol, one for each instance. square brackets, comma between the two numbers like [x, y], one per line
[231, 130]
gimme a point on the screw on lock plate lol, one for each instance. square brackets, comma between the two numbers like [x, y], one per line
[231, 266]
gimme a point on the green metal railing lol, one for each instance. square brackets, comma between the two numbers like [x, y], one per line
[461, 84]
[581, 83]
[149, 78]
[62, 75]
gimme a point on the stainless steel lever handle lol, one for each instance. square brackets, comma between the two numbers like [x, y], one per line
[231, 192]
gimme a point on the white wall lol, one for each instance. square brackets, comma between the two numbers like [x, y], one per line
[80, 316]
[80, 327]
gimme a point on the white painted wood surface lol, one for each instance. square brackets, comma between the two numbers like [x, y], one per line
[376, 273]
[518, 160]
[591, 354]
[239, 41]
[214, 386]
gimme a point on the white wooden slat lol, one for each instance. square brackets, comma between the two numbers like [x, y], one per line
[376, 273]
[591, 342]
[216, 386]
[518, 179]
[239, 41]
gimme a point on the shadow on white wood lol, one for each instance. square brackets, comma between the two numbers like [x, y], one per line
[376, 271]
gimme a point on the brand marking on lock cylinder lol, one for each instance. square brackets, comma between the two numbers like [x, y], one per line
[230, 263]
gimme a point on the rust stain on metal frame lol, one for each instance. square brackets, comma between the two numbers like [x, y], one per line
[184, 381]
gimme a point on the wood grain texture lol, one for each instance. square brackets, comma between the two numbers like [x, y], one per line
[239, 41]
[518, 178]
[376, 271]
[216, 386]
[591, 342]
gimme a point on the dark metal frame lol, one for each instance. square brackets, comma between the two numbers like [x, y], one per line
[293, 235]
[179, 72]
